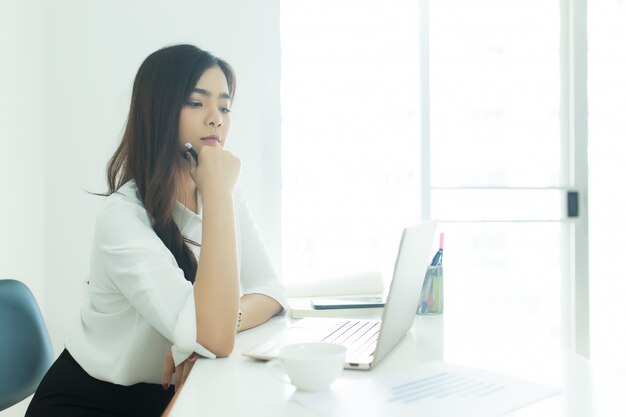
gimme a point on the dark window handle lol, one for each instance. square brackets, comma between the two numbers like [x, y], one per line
[572, 204]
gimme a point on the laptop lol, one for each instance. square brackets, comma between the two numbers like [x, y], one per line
[369, 341]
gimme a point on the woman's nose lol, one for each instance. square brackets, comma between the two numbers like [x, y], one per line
[213, 118]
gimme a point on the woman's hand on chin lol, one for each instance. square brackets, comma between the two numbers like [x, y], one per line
[217, 170]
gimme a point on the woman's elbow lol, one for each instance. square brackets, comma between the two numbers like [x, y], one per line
[220, 348]
[223, 352]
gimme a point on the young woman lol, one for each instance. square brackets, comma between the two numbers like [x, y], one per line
[177, 265]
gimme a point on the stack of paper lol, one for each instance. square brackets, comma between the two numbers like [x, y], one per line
[434, 389]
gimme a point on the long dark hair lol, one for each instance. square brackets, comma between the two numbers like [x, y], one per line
[149, 152]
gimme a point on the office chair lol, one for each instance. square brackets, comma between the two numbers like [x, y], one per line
[25, 348]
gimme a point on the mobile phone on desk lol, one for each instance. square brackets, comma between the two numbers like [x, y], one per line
[347, 302]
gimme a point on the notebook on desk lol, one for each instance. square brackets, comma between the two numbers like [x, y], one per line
[369, 341]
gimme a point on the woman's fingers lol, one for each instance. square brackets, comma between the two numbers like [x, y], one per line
[168, 370]
[219, 169]
[186, 369]
[179, 376]
[183, 370]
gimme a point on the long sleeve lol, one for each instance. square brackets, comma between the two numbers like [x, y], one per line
[146, 274]
[139, 303]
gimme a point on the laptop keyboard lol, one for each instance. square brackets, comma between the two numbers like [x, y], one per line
[358, 336]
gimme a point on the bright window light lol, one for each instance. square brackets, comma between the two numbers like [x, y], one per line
[350, 135]
[496, 168]
[607, 170]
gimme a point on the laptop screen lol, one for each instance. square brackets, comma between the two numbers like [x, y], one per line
[408, 276]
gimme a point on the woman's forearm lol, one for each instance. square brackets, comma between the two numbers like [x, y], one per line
[216, 289]
[256, 309]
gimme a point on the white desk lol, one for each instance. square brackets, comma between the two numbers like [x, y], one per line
[237, 386]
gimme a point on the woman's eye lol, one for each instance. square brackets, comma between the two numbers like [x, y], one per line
[225, 110]
[194, 104]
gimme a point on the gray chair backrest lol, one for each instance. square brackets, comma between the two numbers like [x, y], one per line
[25, 348]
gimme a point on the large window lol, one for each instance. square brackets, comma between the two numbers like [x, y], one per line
[394, 111]
[607, 170]
[496, 173]
[350, 139]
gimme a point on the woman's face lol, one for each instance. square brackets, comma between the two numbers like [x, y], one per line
[205, 116]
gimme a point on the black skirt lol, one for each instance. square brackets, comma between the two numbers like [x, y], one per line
[68, 391]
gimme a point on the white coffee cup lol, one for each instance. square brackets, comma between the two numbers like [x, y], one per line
[311, 366]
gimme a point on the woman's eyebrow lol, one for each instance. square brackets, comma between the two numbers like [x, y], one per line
[208, 93]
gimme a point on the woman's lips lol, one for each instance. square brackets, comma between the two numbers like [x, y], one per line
[212, 140]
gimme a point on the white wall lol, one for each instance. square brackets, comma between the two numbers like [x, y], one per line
[68, 73]
[22, 205]
[22, 145]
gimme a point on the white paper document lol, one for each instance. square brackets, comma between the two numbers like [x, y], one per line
[434, 388]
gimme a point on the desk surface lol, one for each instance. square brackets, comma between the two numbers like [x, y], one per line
[238, 386]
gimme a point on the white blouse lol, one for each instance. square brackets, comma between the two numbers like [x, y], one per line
[138, 302]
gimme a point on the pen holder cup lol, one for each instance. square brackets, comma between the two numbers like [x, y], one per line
[431, 298]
